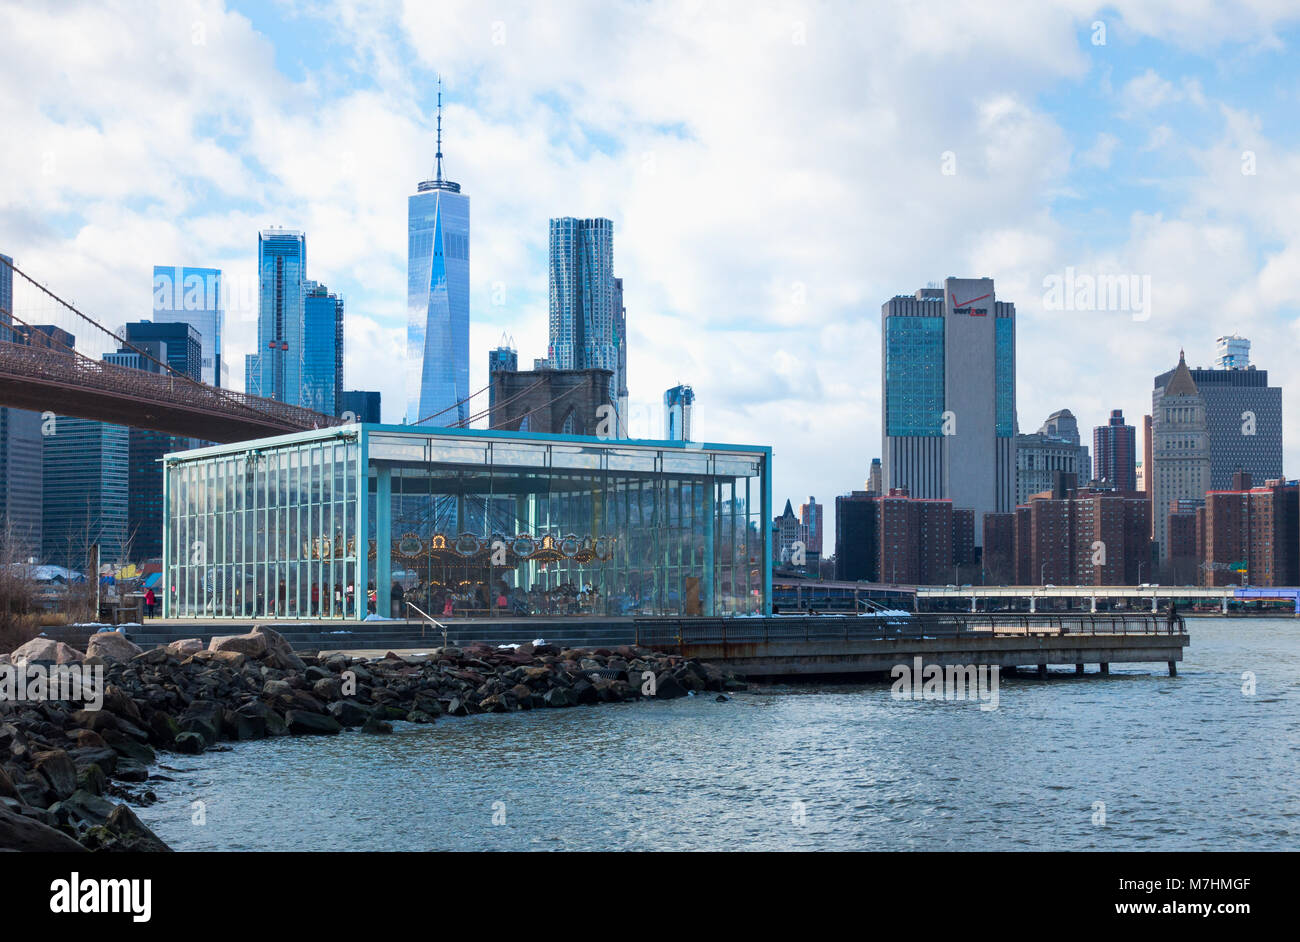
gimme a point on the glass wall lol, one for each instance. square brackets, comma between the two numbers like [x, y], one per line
[264, 533]
[464, 524]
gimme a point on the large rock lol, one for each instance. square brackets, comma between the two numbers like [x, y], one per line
[112, 646]
[185, 647]
[279, 653]
[19, 832]
[349, 712]
[300, 721]
[252, 644]
[667, 687]
[123, 831]
[59, 770]
[46, 651]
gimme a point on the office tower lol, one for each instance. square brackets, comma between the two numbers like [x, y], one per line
[276, 370]
[873, 477]
[1041, 457]
[810, 517]
[1061, 425]
[1148, 442]
[948, 372]
[586, 302]
[1231, 353]
[503, 358]
[361, 405]
[856, 538]
[437, 299]
[1243, 417]
[1114, 446]
[179, 346]
[1252, 536]
[679, 402]
[322, 368]
[785, 533]
[620, 344]
[6, 297]
[193, 296]
[86, 488]
[20, 452]
[1180, 449]
[20, 481]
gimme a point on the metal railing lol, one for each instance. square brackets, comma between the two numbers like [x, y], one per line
[425, 620]
[675, 632]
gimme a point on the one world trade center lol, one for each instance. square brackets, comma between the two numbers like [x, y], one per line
[437, 300]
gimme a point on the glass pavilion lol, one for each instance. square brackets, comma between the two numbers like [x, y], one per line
[358, 519]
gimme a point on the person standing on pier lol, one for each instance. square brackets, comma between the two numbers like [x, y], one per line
[1171, 620]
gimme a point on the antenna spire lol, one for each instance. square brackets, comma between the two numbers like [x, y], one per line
[438, 156]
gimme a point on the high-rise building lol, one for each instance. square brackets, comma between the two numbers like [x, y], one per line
[786, 532]
[505, 358]
[679, 402]
[86, 487]
[322, 367]
[437, 299]
[1231, 352]
[1180, 448]
[857, 543]
[275, 371]
[361, 405]
[810, 518]
[179, 346]
[873, 477]
[1243, 416]
[1053, 450]
[1114, 448]
[20, 449]
[587, 314]
[193, 296]
[999, 549]
[949, 399]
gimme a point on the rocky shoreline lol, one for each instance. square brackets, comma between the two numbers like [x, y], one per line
[62, 766]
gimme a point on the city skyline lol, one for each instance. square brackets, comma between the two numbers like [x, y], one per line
[760, 326]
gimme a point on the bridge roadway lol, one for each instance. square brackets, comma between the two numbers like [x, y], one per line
[42, 379]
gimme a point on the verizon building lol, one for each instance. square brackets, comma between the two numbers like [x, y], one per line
[948, 366]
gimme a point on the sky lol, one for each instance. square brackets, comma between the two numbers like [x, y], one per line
[774, 171]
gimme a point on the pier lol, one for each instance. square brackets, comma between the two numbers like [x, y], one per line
[832, 645]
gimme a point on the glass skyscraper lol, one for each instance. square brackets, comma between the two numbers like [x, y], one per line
[276, 370]
[85, 500]
[949, 399]
[193, 296]
[323, 357]
[437, 299]
[587, 322]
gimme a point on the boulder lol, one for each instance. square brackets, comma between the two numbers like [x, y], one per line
[667, 687]
[85, 808]
[131, 832]
[279, 653]
[375, 726]
[59, 770]
[185, 647]
[349, 712]
[418, 716]
[252, 644]
[19, 832]
[300, 721]
[190, 744]
[46, 651]
[112, 646]
[559, 697]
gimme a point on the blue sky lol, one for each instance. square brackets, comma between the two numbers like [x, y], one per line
[774, 172]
